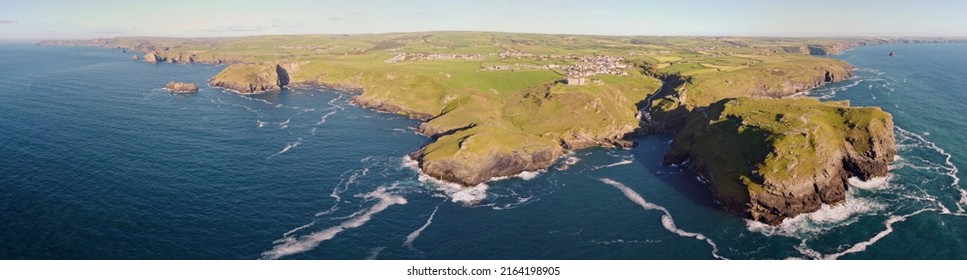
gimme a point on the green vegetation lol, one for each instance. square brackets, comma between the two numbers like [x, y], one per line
[787, 147]
[492, 96]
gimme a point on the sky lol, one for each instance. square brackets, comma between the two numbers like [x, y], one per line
[85, 19]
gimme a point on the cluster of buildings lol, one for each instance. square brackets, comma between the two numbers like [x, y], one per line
[433, 56]
[576, 73]
[597, 65]
[585, 66]
[515, 53]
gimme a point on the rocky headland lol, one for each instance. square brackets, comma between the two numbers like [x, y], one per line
[770, 159]
[764, 153]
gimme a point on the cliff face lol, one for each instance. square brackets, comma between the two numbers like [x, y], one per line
[482, 153]
[669, 110]
[252, 78]
[771, 159]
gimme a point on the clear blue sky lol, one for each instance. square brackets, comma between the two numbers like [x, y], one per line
[79, 19]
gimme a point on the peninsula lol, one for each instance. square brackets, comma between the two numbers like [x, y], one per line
[497, 104]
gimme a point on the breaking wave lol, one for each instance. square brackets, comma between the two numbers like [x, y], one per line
[861, 246]
[825, 219]
[456, 192]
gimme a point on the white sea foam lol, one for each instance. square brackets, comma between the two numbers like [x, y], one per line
[245, 96]
[948, 167]
[622, 241]
[342, 186]
[877, 183]
[250, 109]
[701, 180]
[290, 232]
[285, 124]
[623, 162]
[962, 202]
[528, 175]
[374, 253]
[261, 123]
[861, 246]
[325, 117]
[830, 92]
[287, 147]
[456, 192]
[291, 245]
[826, 218]
[952, 169]
[524, 175]
[416, 233]
[666, 220]
[332, 102]
[520, 201]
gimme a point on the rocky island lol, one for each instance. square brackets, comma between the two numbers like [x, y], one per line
[181, 87]
[497, 104]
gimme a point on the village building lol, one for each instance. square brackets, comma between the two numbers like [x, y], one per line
[576, 81]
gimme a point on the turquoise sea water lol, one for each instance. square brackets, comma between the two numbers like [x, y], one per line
[98, 162]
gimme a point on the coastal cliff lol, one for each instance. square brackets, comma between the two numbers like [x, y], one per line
[251, 78]
[669, 109]
[497, 104]
[770, 159]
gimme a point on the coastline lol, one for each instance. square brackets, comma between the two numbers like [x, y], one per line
[471, 169]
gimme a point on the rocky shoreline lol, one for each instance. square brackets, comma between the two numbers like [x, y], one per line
[526, 134]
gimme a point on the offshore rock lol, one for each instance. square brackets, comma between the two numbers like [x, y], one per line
[181, 87]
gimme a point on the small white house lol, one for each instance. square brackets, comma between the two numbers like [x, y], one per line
[576, 81]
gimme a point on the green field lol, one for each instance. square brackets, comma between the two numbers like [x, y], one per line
[501, 95]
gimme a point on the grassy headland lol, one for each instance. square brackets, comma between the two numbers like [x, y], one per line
[497, 104]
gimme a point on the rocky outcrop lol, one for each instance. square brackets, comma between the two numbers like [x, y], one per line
[482, 154]
[152, 57]
[181, 87]
[161, 57]
[799, 83]
[252, 78]
[135, 58]
[771, 159]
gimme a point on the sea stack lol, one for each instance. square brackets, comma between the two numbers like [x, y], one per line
[180, 87]
[135, 57]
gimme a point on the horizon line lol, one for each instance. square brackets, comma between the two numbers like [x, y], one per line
[508, 32]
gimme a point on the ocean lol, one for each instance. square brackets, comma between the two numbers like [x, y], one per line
[97, 161]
